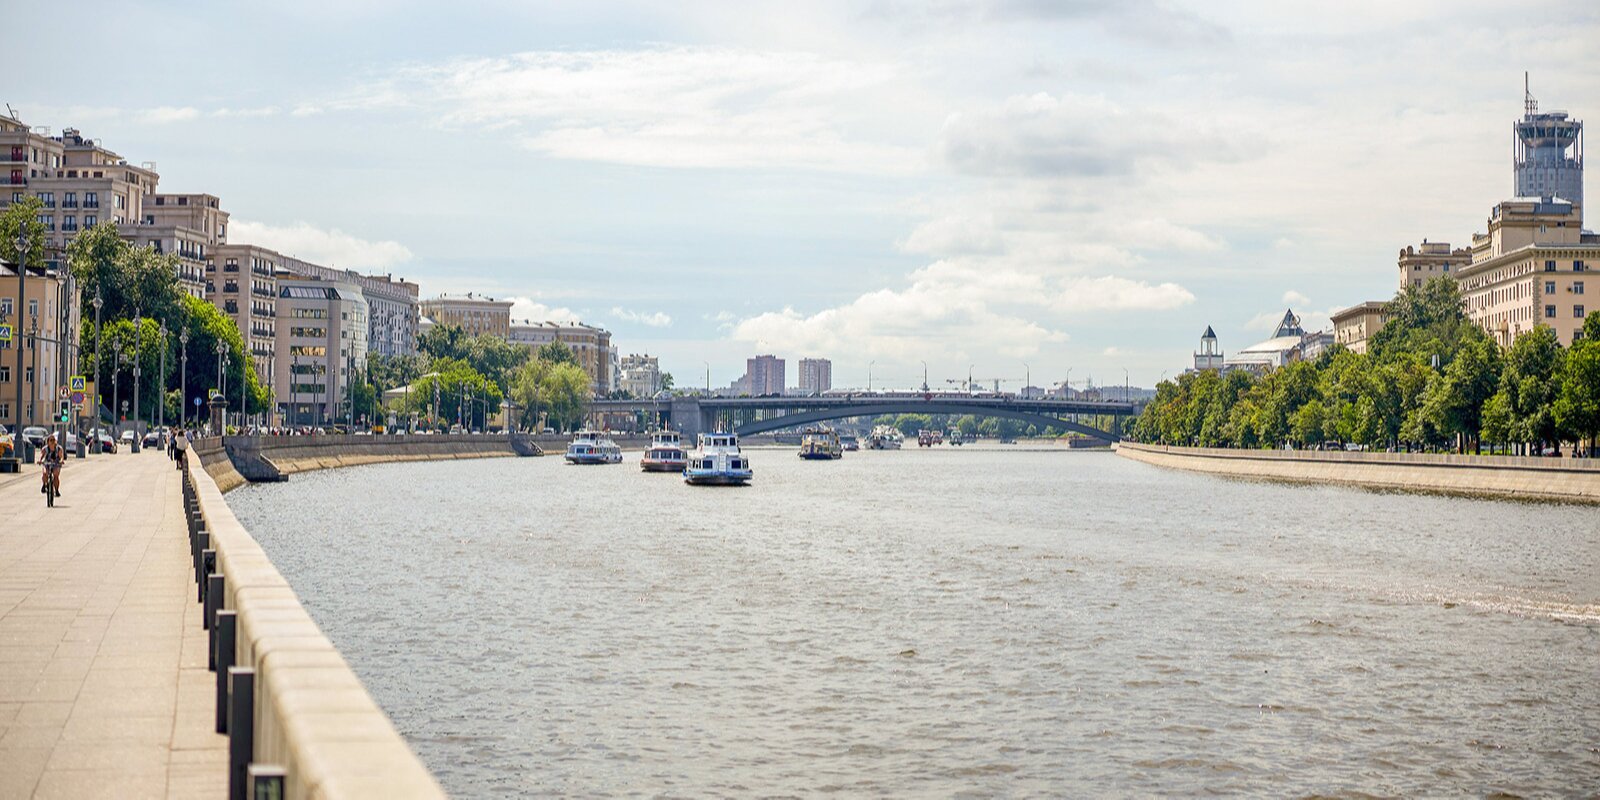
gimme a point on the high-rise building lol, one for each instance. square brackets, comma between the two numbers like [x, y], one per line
[474, 313]
[590, 344]
[641, 375]
[1548, 147]
[766, 375]
[816, 376]
[393, 312]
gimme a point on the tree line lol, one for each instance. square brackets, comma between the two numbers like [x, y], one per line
[1431, 380]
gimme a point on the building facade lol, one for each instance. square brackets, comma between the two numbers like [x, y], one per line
[765, 375]
[590, 344]
[322, 345]
[816, 376]
[1430, 260]
[190, 226]
[1548, 153]
[473, 313]
[241, 281]
[394, 315]
[1531, 268]
[1353, 326]
[41, 352]
[1209, 356]
[641, 375]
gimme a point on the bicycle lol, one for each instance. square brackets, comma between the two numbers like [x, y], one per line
[52, 473]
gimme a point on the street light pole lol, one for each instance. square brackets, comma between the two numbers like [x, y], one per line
[98, 303]
[869, 376]
[183, 381]
[138, 346]
[22, 298]
[116, 392]
[222, 347]
[161, 405]
[1027, 379]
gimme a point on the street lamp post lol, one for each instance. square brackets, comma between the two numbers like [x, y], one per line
[98, 304]
[116, 392]
[161, 397]
[1027, 379]
[183, 380]
[869, 376]
[33, 347]
[221, 348]
[138, 345]
[924, 377]
[22, 294]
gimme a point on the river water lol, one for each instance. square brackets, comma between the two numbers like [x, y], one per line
[971, 622]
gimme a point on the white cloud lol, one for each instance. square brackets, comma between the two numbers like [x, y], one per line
[528, 308]
[1294, 298]
[262, 111]
[666, 106]
[328, 247]
[658, 319]
[168, 114]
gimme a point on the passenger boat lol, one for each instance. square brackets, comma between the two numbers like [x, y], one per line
[884, 437]
[820, 444]
[666, 453]
[956, 438]
[849, 443]
[717, 462]
[593, 447]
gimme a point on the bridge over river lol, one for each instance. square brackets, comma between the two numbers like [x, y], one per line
[751, 415]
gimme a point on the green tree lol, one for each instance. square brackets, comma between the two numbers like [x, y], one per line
[443, 341]
[558, 389]
[129, 280]
[24, 217]
[556, 352]
[666, 381]
[1577, 404]
[1530, 384]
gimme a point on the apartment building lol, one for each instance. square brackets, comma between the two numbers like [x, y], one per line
[241, 282]
[321, 346]
[473, 313]
[816, 376]
[765, 375]
[1533, 267]
[190, 226]
[40, 352]
[640, 375]
[590, 344]
[1353, 326]
[1430, 260]
[393, 312]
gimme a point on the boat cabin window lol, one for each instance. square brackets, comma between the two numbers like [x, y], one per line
[709, 464]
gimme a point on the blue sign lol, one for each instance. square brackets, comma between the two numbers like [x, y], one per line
[197, 401]
[5, 333]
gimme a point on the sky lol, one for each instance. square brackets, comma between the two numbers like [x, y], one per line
[1011, 189]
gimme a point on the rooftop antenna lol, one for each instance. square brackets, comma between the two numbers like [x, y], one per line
[11, 112]
[1529, 105]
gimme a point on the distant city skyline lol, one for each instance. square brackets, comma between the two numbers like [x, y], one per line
[1024, 187]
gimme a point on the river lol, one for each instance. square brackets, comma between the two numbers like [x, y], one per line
[951, 622]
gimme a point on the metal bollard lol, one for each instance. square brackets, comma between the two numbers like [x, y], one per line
[213, 599]
[202, 543]
[208, 565]
[241, 728]
[223, 655]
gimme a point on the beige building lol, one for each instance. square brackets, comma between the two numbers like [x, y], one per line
[640, 376]
[190, 226]
[1531, 268]
[473, 313]
[816, 376]
[591, 345]
[45, 319]
[241, 282]
[393, 313]
[1430, 260]
[1353, 326]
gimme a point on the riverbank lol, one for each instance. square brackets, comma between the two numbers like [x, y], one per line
[237, 460]
[1562, 479]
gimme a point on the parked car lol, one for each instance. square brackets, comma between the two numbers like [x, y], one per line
[152, 438]
[34, 435]
[107, 444]
[126, 438]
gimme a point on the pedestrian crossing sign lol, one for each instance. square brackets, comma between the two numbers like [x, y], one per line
[5, 333]
[79, 383]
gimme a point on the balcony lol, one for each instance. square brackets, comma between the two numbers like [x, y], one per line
[69, 204]
[262, 271]
[48, 203]
[230, 267]
[91, 204]
[259, 292]
[69, 226]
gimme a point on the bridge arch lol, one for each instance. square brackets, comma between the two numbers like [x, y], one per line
[912, 406]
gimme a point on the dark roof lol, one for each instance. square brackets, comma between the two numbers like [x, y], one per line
[1209, 334]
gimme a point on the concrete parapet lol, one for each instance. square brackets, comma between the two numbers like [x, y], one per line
[313, 718]
[1566, 479]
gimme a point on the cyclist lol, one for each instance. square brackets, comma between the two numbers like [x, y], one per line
[52, 458]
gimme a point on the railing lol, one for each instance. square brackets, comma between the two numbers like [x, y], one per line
[270, 658]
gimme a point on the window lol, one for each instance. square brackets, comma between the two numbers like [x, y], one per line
[90, 220]
[33, 307]
[91, 199]
[1577, 287]
[1447, 268]
[1550, 266]
[1577, 311]
[1550, 312]
[1577, 266]
[5, 376]
[1549, 287]
[27, 375]
[5, 306]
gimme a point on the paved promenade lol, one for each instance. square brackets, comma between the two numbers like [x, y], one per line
[104, 690]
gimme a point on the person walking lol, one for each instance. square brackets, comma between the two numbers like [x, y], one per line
[180, 447]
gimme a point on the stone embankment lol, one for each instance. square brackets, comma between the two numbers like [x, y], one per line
[242, 459]
[310, 716]
[1565, 479]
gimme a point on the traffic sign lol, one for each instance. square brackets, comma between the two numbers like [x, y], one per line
[197, 402]
[79, 383]
[61, 392]
[77, 397]
[5, 333]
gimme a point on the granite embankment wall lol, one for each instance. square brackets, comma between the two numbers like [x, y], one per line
[1567, 479]
[241, 459]
[312, 717]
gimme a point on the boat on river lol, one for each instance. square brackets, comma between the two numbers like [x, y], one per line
[849, 443]
[883, 437]
[593, 447]
[666, 453]
[820, 444]
[718, 462]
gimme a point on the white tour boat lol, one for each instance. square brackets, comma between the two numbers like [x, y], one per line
[593, 447]
[717, 462]
[666, 453]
